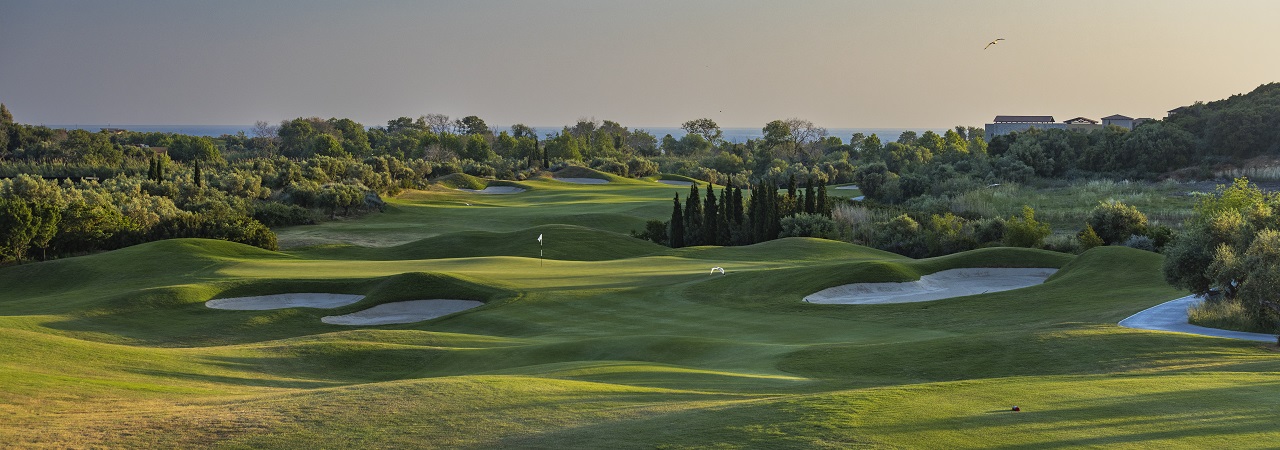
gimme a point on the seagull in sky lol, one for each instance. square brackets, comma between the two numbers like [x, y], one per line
[989, 44]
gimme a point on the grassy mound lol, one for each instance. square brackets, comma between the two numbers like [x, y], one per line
[461, 181]
[561, 242]
[584, 172]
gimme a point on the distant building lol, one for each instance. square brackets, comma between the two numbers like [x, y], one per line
[1003, 125]
[114, 130]
[1008, 124]
[1118, 120]
[1082, 124]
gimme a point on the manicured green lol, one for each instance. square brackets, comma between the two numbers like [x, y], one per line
[608, 342]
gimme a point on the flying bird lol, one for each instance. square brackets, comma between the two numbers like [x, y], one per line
[989, 44]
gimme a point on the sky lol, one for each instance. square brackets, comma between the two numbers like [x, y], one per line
[742, 63]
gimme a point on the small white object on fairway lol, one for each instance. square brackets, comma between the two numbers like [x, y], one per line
[1172, 316]
[849, 187]
[934, 286]
[281, 301]
[495, 190]
[402, 312]
[583, 180]
[714, 269]
[676, 182]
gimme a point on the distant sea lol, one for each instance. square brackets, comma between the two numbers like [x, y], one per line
[730, 134]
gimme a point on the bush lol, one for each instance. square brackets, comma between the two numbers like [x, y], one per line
[1140, 242]
[1088, 238]
[274, 214]
[1063, 243]
[1025, 231]
[808, 225]
[1115, 221]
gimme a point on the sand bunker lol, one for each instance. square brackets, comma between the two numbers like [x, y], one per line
[676, 182]
[935, 286]
[495, 190]
[850, 187]
[583, 180]
[281, 301]
[402, 312]
[859, 198]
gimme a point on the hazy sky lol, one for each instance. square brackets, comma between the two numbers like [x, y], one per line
[640, 63]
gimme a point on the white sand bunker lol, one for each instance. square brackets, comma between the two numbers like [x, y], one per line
[402, 312]
[495, 190]
[850, 187]
[935, 286]
[676, 182]
[281, 301]
[583, 180]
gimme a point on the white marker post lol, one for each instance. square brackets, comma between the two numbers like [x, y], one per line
[539, 249]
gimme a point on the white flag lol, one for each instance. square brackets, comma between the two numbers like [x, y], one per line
[539, 239]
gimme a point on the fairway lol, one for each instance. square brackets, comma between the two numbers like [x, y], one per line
[603, 341]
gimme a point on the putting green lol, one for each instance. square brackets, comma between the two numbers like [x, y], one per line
[607, 341]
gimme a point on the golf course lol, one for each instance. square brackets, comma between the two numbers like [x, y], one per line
[546, 325]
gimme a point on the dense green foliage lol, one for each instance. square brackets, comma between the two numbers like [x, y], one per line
[1232, 247]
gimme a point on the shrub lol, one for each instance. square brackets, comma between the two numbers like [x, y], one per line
[1140, 242]
[1025, 231]
[1115, 221]
[808, 225]
[1088, 238]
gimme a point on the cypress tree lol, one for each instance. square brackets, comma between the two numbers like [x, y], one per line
[791, 186]
[723, 220]
[159, 168]
[677, 225]
[710, 219]
[775, 215]
[199, 177]
[151, 169]
[737, 206]
[809, 207]
[823, 206]
[693, 217]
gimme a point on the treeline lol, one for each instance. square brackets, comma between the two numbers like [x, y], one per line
[729, 219]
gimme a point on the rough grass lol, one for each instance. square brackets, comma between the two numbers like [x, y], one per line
[1067, 205]
[611, 342]
[1227, 315]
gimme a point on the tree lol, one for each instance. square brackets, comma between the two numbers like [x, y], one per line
[1206, 255]
[197, 176]
[710, 218]
[436, 123]
[706, 128]
[521, 130]
[477, 148]
[804, 132]
[472, 125]
[6, 121]
[264, 129]
[776, 134]
[45, 218]
[295, 137]
[17, 228]
[326, 145]
[1114, 221]
[677, 224]
[693, 229]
